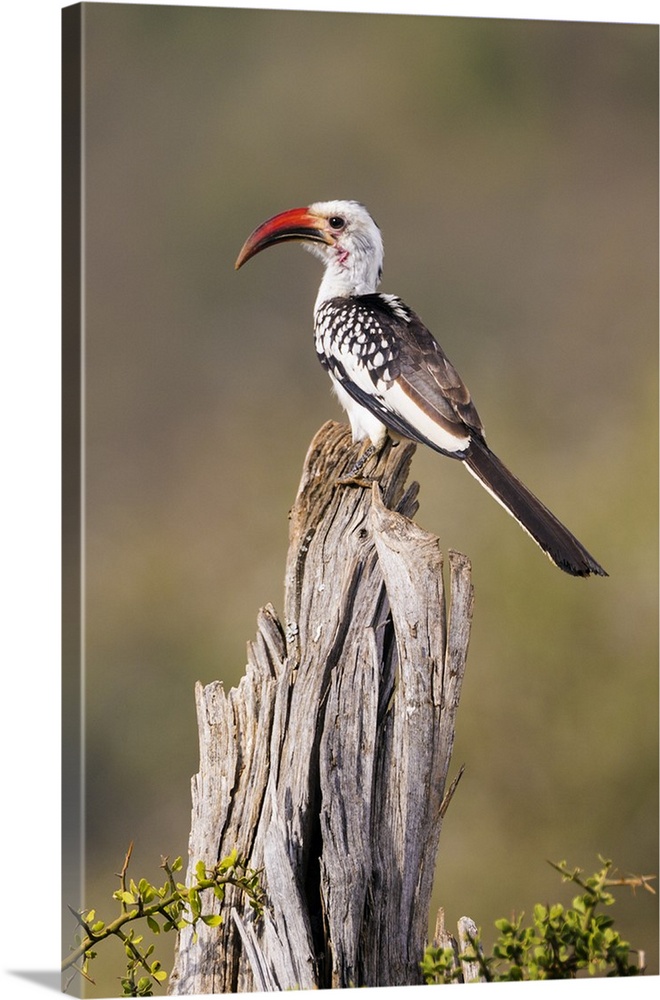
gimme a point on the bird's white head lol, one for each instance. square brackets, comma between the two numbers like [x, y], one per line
[341, 233]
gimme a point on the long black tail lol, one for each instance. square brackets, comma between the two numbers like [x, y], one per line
[548, 532]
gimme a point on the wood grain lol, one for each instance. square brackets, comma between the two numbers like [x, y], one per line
[327, 765]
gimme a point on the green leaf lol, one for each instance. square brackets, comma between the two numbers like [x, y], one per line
[212, 919]
[195, 902]
[229, 862]
[153, 925]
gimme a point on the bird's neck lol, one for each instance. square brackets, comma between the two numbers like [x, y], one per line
[345, 276]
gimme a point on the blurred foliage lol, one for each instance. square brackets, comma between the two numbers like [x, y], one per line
[513, 168]
[559, 943]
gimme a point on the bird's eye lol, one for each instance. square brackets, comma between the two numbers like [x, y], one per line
[336, 222]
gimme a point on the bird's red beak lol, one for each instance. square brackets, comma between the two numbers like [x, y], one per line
[294, 224]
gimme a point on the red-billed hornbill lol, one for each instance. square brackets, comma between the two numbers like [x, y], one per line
[388, 371]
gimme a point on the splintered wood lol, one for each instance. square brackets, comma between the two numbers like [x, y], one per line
[327, 766]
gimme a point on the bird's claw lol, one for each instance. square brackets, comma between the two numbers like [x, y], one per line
[352, 477]
[361, 481]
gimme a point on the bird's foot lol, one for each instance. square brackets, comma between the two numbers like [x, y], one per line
[359, 481]
[353, 477]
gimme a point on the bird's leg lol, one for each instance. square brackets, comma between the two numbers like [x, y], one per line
[352, 477]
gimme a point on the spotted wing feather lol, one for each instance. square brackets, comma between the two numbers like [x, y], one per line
[386, 359]
[388, 362]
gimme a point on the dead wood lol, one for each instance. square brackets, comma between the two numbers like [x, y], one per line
[327, 765]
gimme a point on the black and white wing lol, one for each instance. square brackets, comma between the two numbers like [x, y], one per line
[386, 360]
[384, 357]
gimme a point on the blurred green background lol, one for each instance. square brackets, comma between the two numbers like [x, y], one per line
[512, 167]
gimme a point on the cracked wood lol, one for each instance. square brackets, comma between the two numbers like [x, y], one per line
[327, 765]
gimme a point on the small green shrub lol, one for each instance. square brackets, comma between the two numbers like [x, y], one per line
[171, 906]
[558, 943]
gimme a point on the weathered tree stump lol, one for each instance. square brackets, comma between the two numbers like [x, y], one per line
[327, 765]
